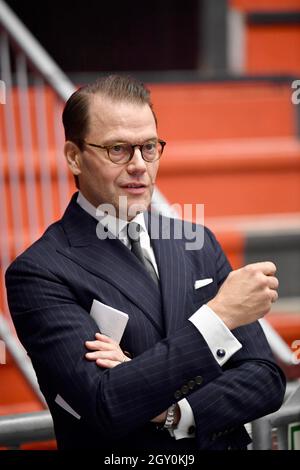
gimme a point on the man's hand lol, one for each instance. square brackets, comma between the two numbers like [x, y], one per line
[246, 295]
[106, 352]
[160, 419]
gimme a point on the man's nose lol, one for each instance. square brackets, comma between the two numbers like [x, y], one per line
[137, 163]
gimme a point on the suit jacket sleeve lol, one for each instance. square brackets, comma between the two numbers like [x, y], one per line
[251, 384]
[53, 328]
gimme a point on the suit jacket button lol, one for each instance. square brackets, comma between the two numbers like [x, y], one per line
[221, 352]
[177, 394]
[184, 389]
[191, 384]
[198, 380]
[191, 430]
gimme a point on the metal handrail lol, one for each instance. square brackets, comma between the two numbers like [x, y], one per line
[26, 427]
[20, 357]
[262, 428]
[29, 50]
[37, 55]
[49, 70]
[279, 347]
[52, 73]
[38, 426]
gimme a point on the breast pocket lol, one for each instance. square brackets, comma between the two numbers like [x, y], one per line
[204, 293]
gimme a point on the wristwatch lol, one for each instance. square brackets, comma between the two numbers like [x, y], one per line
[171, 413]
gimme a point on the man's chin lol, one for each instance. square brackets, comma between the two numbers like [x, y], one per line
[131, 209]
[136, 208]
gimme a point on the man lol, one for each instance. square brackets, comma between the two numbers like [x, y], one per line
[200, 365]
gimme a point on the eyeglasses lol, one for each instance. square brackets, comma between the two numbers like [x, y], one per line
[121, 153]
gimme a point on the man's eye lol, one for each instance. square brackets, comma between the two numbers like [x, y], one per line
[117, 149]
[149, 147]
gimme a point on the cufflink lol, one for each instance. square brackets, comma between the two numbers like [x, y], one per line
[191, 430]
[221, 352]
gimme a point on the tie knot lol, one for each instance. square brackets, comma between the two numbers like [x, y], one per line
[134, 231]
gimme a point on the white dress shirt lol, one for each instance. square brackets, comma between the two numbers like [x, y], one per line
[211, 327]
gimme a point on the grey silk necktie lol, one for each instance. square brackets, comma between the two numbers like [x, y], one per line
[133, 232]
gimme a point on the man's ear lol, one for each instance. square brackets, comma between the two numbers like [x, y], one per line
[73, 157]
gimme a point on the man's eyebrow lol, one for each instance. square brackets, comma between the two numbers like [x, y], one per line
[124, 141]
[116, 141]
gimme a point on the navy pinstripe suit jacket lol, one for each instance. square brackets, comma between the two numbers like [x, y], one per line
[51, 287]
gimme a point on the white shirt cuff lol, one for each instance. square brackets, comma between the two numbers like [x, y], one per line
[222, 343]
[186, 425]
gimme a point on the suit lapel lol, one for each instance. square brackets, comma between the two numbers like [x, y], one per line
[110, 260]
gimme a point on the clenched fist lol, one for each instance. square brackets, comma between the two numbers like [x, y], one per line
[246, 295]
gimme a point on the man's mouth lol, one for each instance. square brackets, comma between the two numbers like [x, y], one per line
[134, 185]
[134, 188]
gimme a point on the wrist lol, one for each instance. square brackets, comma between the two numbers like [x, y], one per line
[177, 415]
[219, 310]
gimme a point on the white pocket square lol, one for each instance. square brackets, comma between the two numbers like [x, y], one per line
[61, 402]
[203, 282]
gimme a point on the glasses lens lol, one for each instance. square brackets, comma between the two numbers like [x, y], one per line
[120, 153]
[151, 151]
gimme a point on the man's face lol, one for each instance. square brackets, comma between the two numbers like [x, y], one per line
[103, 182]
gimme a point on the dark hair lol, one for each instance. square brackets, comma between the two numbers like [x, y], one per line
[75, 115]
[115, 87]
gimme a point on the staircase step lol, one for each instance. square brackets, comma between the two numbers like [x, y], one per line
[264, 5]
[233, 177]
[223, 110]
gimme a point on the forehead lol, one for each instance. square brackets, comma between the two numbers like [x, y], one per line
[112, 120]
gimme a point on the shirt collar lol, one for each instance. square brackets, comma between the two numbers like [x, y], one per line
[116, 226]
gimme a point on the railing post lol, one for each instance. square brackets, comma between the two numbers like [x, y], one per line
[26, 427]
[262, 434]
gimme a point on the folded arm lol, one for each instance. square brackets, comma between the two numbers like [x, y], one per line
[53, 328]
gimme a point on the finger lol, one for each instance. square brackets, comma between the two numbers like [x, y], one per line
[273, 282]
[111, 355]
[107, 363]
[91, 356]
[99, 345]
[267, 267]
[104, 338]
[273, 295]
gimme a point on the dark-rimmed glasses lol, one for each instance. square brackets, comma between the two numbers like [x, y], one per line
[121, 153]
